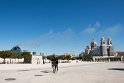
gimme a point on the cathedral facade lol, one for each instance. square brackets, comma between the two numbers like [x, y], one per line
[105, 49]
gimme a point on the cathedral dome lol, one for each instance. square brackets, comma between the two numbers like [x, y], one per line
[94, 42]
[109, 39]
[16, 49]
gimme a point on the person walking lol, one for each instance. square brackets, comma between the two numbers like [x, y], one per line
[55, 65]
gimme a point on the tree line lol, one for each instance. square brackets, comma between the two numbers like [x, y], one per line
[11, 55]
[69, 57]
[27, 56]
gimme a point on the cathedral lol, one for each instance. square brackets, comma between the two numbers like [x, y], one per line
[105, 49]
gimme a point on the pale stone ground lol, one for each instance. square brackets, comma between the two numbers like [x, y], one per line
[82, 72]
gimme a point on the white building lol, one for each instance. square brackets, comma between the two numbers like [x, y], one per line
[37, 59]
[102, 50]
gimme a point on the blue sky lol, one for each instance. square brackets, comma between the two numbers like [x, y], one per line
[60, 26]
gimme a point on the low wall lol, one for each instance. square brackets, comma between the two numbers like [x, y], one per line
[10, 60]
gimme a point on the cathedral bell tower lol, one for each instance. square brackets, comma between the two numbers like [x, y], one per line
[103, 48]
[102, 41]
[109, 41]
[109, 47]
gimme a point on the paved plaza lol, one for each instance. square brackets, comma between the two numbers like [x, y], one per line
[82, 72]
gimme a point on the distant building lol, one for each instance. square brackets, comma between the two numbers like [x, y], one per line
[102, 50]
[36, 59]
[16, 49]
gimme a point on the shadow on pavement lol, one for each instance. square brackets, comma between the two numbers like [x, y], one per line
[119, 69]
[46, 71]
[23, 70]
[38, 75]
[10, 79]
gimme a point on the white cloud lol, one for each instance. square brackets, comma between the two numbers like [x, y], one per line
[97, 24]
[63, 38]
[91, 29]
[51, 38]
[68, 36]
[94, 30]
[113, 30]
[37, 42]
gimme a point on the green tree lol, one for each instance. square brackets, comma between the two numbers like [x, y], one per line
[73, 58]
[4, 55]
[68, 57]
[51, 57]
[14, 56]
[61, 57]
[19, 57]
[27, 57]
[87, 58]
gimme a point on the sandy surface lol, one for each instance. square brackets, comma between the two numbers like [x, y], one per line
[84, 72]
